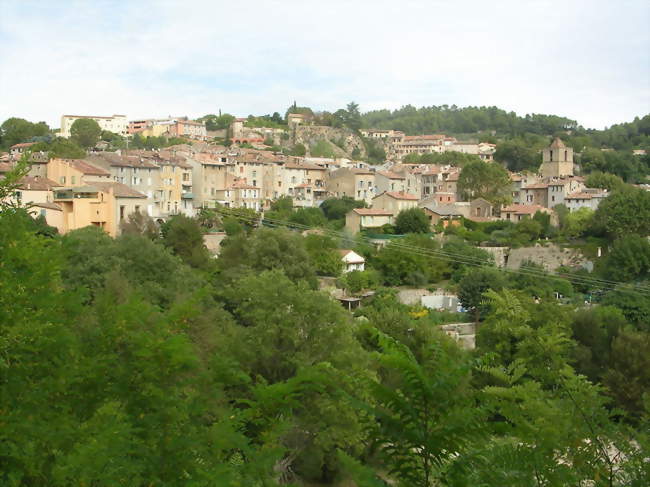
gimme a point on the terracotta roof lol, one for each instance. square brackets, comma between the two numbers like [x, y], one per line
[116, 160]
[453, 176]
[86, 168]
[304, 165]
[445, 210]
[357, 170]
[586, 194]
[372, 212]
[36, 183]
[425, 137]
[390, 175]
[119, 190]
[241, 185]
[50, 206]
[523, 209]
[5, 167]
[24, 144]
[557, 144]
[400, 195]
[516, 177]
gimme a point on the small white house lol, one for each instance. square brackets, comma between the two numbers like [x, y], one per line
[352, 261]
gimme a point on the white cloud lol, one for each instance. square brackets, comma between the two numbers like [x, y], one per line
[583, 59]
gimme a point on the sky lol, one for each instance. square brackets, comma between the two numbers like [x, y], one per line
[586, 60]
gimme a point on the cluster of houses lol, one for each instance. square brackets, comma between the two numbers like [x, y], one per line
[434, 189]
[104, 188]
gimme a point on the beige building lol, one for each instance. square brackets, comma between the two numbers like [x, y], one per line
[367, 218]
[117, 124]
[557, 160]
[75, 172]
[394, 202]
[101, 204]
[304, 182]
[36, 192]
[240, 195]
[353, 182]
[389, 181]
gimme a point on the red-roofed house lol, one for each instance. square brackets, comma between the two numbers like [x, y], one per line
[516, 213]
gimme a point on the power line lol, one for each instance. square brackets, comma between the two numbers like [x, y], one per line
[449, 256]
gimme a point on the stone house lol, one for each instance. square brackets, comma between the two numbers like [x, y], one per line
[394, 201]
[363, 218]
[353, 182]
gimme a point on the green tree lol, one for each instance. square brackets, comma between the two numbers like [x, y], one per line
[337, 208]
[140, 224]
[400, 264]
[184, 237]
[17, 130]
[607, 181]
[267, 249]
[413, 220]
[424, 416]
[85, 132]
[517, 155]
[576, 223]
[628, 376]
[628, 259]
[298, 150]
[484, 180]
[473, 286]
[624, 212]
[324, 254]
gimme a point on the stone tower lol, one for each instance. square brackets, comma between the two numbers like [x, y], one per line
[557, 160]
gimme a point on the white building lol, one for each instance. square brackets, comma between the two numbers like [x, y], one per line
[587, 198]
[352, 261]
[117, 124]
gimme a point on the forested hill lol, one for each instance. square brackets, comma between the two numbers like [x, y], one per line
[466, 120]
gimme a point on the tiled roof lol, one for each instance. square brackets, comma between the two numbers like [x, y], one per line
[557, 144]
[50, 206]
[119, 190]
[453, 176]
[86, 168]
[372, 212]
[390, 175]
[24, 144]
[36, 183]
[5, 167]
[523, 209]
[537, 186]
[304, 165]
[400, 195]
[241, 185]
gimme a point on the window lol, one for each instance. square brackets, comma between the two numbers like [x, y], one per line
[241, 169]
[62, 179]
[254, 174]
[73, 179]
[293, 179]
[551, 155]
[137, 208]
[122, 209]
[552, 198]
[566, 156]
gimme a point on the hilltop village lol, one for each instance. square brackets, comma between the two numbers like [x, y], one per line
[437, 296]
